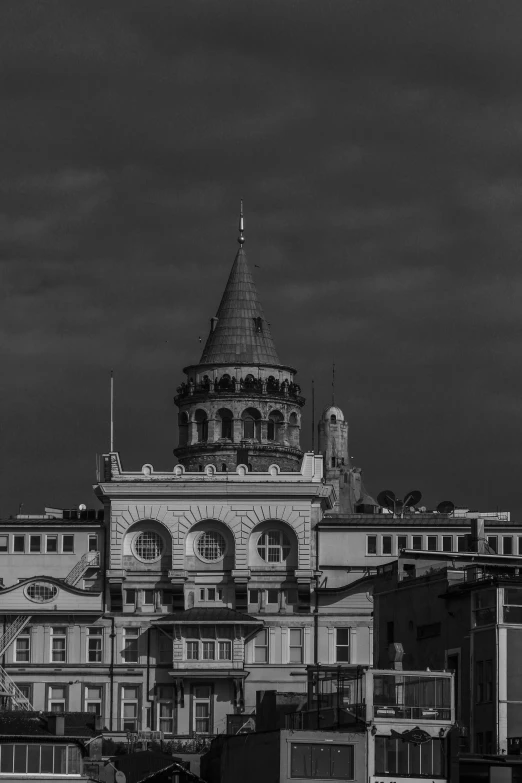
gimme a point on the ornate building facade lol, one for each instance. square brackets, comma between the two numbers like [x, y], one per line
[196, 587]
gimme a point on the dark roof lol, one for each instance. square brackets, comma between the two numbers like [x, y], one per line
[21, 723]
[150, 765]
[237, 337]
[204, 615]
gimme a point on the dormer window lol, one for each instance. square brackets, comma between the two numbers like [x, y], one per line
[258, 324]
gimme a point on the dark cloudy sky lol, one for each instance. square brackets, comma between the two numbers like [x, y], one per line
[378, 148]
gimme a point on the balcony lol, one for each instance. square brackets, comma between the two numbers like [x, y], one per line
[416, 697]
[342, 696]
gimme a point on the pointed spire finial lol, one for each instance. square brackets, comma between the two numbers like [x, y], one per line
[241, 237]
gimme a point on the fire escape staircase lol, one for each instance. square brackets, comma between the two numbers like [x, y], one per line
[88, 560]
[10, 693]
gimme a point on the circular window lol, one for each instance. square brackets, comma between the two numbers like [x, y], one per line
[273, 546]
[148, 546]
[41, 592]
[211, 546]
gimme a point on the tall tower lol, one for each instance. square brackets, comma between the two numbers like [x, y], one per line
[239, 404]
[333, 445]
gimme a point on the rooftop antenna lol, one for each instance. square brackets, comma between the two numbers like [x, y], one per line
[313, 416]
[241, 237]
[112, 411]
[333, 383]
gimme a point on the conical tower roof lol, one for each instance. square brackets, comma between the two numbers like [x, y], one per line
[240, 334]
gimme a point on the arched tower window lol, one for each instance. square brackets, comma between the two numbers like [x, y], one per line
[333, 418]
[202, 425]
[274, 426]
[251, 424]
[226, 418]
[183, 429]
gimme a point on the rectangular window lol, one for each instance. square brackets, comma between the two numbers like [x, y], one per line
[296, 645]
[129, 652]
[130, 597]
[93, 542]
[67, 544]
[4, 543]
[148, 597]
[18, 543]
[416, 542]
[58, 644]
[209, 651]
[493, 543]
[386, 545]
[201, 593]
[479, 742]
[33, 759]
[489, 742]
[272, 596]
[488, 675]
[342, 645]
[165, 651]
[261, 647]
[485, 607]
[94, 699]
[23, 648]
[202, 707]
[371, 545]
[462, 543]
[211, 594]
[447, 543]
[253, 596]
[519, 545]
[225, 651]
[35, 543]
[192, 651]
[395, 757]
[507, 545]
[129, 707]
[51, 544]
[433, 543]
[94, 645]
[57, 698]
[479, 681]
[166, 709]
[324, 761]
[513, 605]
[390, 632]
[402, 542]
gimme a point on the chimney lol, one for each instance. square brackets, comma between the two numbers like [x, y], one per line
[478, 538]
[56, 724]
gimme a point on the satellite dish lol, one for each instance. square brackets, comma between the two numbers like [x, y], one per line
[82, 507]
[120, 777]
[446, 507]
[412, 498]
[386, 498]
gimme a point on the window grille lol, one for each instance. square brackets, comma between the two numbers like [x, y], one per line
[148, 546]
[273, 546]
[41, 592]
[211, 545]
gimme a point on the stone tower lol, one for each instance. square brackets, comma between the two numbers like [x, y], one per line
[333, 445]
[239, 404]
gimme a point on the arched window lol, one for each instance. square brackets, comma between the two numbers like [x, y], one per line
[333, 462]
[183, 429]
[333, 418]
[202, 425]
[211, 546]
[223, 468]
[249, 466]
[251, 424]
[273, 546]
[226, 423]
[274, 426]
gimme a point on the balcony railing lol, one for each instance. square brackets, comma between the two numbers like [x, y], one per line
[227, 386]
[325, 717]
[411, 713]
